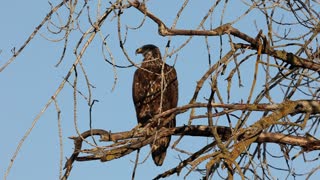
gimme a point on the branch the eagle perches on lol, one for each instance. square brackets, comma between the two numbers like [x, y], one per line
[124, 143]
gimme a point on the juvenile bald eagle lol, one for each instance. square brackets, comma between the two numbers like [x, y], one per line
[148, 93]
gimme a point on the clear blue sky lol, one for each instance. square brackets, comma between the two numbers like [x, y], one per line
[29, 82]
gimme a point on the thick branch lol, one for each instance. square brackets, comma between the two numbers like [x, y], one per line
[287, 57]
[306, 143]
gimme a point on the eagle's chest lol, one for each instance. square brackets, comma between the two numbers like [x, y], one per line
[150, 83]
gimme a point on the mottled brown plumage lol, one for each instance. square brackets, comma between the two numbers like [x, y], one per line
[147, 96]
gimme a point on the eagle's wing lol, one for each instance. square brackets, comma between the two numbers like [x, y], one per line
[171, 96]
[139, 93]
[169, 101]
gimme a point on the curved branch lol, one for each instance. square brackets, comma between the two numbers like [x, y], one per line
[287, 57]
[165, 31]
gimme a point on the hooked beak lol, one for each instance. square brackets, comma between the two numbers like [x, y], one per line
[139, 51]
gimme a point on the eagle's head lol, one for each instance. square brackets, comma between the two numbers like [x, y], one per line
[149, 52]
